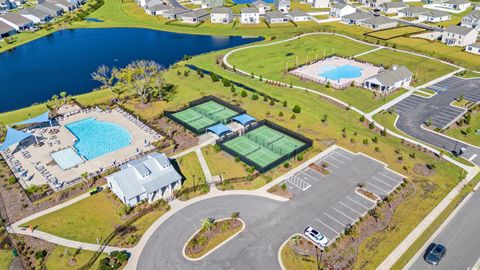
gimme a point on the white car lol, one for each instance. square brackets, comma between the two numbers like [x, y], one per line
[316, 237]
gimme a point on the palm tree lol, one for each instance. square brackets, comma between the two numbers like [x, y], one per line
[84, 175]
[235, 216]
[208, 224]
[54, 100]
[117, 91]
[63, 94]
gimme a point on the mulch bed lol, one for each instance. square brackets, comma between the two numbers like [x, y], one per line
[208, 235]
[422, 170]
[183, 139]
[320, 169]
[280, 192]
[27, 246]
[368, 194]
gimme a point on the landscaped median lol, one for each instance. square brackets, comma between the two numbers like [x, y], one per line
[212, 235]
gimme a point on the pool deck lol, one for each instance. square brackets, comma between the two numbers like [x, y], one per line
[40, 156]
[312, 72]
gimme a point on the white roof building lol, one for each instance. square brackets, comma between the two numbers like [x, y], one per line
[459, 36]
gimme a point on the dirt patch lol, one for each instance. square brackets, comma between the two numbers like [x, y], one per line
[422, 170]
[320, 169]
[278, 190]
[28, 247]
[368, 194]
[182, 138]
[326, 142]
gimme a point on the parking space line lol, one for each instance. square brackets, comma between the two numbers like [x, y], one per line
[311, 177]
[341, 213]
[378, 187]
[327, 226]
[373, 177]
[336, 159]
[397, 181]
[357, 202]
[350, 208]
[334, 219]
[338, 153]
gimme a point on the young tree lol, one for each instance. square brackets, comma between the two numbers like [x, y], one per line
[64, 94]
[208, 223]
[235, 216]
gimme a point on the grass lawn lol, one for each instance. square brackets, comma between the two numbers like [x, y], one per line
[221, 163]
[418, 93]
[11, 117]
[6, 258]
[461, 133]
[468, 74]
[91, 218]
[395, 32]
[456, 18]
[306, 7]
[193, 173]
[61, 258]
[292, 261]
[424, 69]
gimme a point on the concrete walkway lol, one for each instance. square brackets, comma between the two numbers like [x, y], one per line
[204, 165]
[367, 52]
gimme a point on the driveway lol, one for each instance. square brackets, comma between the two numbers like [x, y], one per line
[460, 237]
[330, 200]
[414, 111]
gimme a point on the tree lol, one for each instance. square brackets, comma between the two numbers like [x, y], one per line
[324, 118]
[296, 109]
[63, 94]
[243, 93]
[235, 216]
[84, 175]
[208, 224]
[54, 100]
[104, 75]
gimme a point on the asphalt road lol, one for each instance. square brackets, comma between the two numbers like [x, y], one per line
[268, 223]
[460, 237]
[410, 120]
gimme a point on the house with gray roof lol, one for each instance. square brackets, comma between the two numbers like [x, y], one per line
[282, 5]
[157, 9]
[17, 21]
[36, 15]
[212, 3]
[338, 10]
[456, 4]
[473, 48]
[379, 22]
[63, 4]
[249, 16]
[222, 15]
[389, 80]
[195, 16]
[298, 15]
[392, 7]
[261, 6]
[273, 17]
[356, 18]
[174, 13]
[146, 179]
[53, 10]
[434, 16]
[374, 3]
[6, 30]
[412, 12]
[472, 20]
[7, 5]
[459, 36]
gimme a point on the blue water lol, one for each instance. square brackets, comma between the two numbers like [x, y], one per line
[66, 158]
[342, 72]
[93, 20]
[63, 61]
[97, 138]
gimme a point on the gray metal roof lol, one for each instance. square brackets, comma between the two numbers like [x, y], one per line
[259, 3]
[195, 13]
[5, 28]
[275, 15]
[175, 11]
[457, 2]
[436, 13]
[62, 2]
[379, 20]
[393, 5]
[35, 12]
[249, 10]
[475, 45]
[16, 19]
[147, 174]
[459, 30]
[221, 10]
[339, 5]
[159, 7]
[390, 77]
[51, 6]
[414, 10]
[359, 15]
[474, 14]
[298, 13]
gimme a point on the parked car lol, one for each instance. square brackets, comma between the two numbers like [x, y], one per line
[435, 253]
[316, 237]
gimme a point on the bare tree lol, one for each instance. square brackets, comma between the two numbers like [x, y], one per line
[104, 75]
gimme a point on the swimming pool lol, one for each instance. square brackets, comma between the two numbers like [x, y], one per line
[67, 158]
[97, 138]
[341, 72]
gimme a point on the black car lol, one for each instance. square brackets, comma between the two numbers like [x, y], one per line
[435, 253]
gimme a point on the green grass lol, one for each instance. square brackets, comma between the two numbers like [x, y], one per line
[95, 97]
[292, 261]
[6, 257]
[424, 69]
[221, 163]
[394, 32]
[193, 173]
[468, 74]
[418, 93]
[461, 133]
[15, 116]
[60, 257]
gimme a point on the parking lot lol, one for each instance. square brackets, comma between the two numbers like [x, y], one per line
[446, 84]
[470, 88]
[344, 205]
[441, 118]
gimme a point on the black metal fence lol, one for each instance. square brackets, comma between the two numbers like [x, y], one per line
[307, 143]
[198, 131]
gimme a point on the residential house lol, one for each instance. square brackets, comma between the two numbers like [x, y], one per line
[64, 4]
[146, 179]
[297, 15]
[392, 7]
[456, 4]
[51, 9]
[212, 3]
[276, 16]
[374, 3]
[249, 16]
[379, 22]
[459, 36]
[473, 48]
[221, 15]
[356, 18]
[320, 3]
[476, 7]
[261, 6]
[412, 12]
[174, 13]
[36, 15]
[339, 10]
[7, 5]
[408, 1]
[17, 21]
[195, 16]
[434, 16]
[389, 80]
[157, 9]
[6, 30]
[472, 20]
[282, 5]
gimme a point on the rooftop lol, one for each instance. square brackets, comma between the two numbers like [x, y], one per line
[249, 10]
[298, 13]
[394, 5]
[275, 15]
[378, 20]
[221, 10]
[195, 13]
[359, 15]
[460, 30]
[16, 19]
[5, 28]
[390, 77]
[35, 12]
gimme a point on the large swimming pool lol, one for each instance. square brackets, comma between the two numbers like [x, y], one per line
[341, 72]
[97, 138]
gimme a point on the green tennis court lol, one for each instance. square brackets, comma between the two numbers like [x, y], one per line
[264, 145]
[204, 115]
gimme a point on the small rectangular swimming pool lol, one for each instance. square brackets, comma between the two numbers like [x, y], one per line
[67, 158]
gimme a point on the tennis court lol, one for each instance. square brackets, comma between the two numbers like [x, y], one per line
[264, 146]
[204, 115]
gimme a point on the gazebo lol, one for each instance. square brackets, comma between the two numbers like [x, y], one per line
[219, 129]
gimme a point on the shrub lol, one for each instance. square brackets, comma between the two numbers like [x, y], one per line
[232, 88]
[293, 117]
[272, 102]
[296, 109]
[375, 139]
[284, 103]
[280, 113]
[12, 180]
[214, 77]
[365, 141]
[244, 93]
[40, 254]
[254, 97]
[300, 157]
[286, 165]
[226, 82]
[362, 118]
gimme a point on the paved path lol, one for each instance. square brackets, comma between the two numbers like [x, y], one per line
[204, 165]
